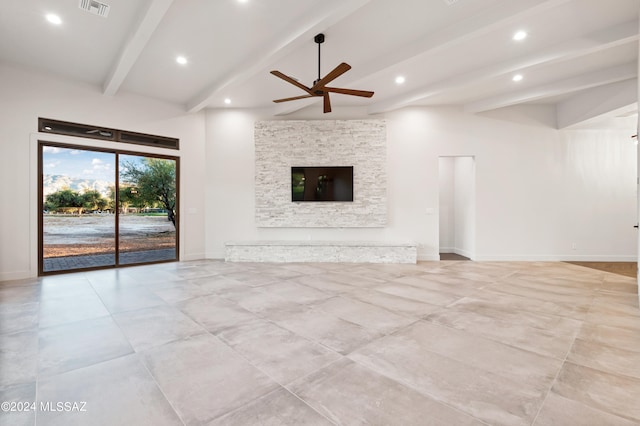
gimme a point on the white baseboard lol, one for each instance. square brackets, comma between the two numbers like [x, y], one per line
[428, 258]
[214, 255]
[16, 275]
[192, 256]
[464, 253]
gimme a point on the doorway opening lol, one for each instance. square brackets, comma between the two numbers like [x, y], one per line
[457, 211]
[101, 208]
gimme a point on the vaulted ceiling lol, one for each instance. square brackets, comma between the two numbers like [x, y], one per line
[580, 55]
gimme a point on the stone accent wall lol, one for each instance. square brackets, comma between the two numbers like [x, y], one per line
[280, 145]
[320, 251]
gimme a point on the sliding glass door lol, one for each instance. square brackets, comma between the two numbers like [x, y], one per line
[147, 206]
[105, 208]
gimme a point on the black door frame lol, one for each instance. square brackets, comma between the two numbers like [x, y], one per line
[117, 153]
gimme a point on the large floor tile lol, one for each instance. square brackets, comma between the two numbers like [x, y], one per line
[537, 371]
[614, 297]
[294, 292]
[19, 294]
[178, 291]
[487, 270]
[618, 284]
[146, 328]
[215, 313]
[488, 299]
[252, 278]
[304, 269]
[65, 308]
[279, 408]
[259, 301]
[543, 294]
[496, 398]
[217, 284]
[323, 283]
[614, 314]
[16, 317]
[280, 272]
[354, 279]
[349, 394]
[621, 338]
[337, 334]
[419, 294]
[281, 354]
[561, 284]
[606, 358]
[116, 392]
[543, 334]
[441, 283]
[363, 314]
[18, 358]
[399, 305]
[558, 410]
[432, 343]
[19, 396]
[71, 346]
[612, 393]
[121, 298]
[378, 274]
[203, 378]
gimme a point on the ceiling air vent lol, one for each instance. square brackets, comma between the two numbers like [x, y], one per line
[95, 7]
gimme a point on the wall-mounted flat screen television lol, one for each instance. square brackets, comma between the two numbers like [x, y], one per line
[322, 183]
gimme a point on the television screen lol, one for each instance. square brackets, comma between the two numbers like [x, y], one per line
[322, 183]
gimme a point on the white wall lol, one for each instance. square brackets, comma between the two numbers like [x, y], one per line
[538, 189]
[28, 95]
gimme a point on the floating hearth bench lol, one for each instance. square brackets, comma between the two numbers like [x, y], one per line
[321, 251]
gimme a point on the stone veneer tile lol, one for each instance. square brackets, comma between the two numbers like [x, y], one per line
[280, 145]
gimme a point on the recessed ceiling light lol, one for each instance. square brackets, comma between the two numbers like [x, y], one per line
[243, 1]
[520, 35]
[400, 79]
[53, 18]
[517, 77]
[227, 101]
[181, 60]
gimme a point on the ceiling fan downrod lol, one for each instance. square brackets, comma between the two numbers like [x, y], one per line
[318, 39]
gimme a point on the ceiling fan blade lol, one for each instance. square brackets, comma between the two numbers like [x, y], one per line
[337, 72]
[362, 93]
[327, 103]
[291, 80]
[295, 98]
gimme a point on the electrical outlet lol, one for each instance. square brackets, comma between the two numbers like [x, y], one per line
[574, 246]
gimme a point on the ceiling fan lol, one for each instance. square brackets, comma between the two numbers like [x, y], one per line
[319, 87]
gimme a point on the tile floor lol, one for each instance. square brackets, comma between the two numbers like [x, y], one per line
[214, 343]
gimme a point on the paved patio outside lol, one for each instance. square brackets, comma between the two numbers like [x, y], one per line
[54, 264]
